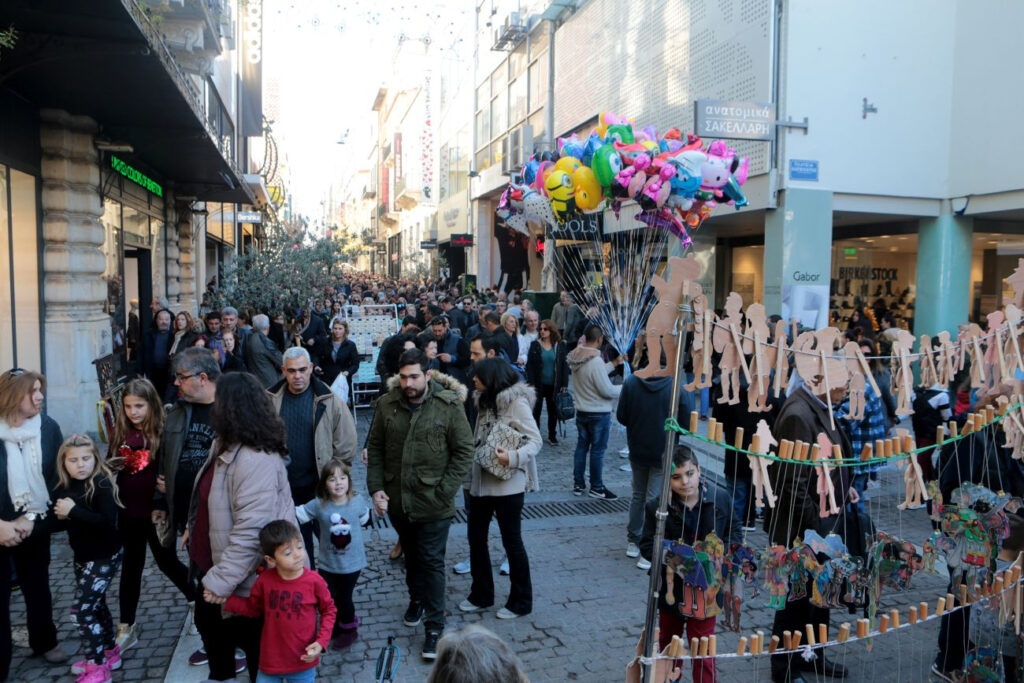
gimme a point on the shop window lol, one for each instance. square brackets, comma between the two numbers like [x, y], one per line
[499, 112]
[517, 101]
[19, 271]
[538, 84]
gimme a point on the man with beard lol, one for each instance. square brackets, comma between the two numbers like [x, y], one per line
[420, 449]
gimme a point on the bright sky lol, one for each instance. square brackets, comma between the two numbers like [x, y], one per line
[328, 59]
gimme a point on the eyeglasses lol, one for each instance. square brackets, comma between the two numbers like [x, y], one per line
[182, 378]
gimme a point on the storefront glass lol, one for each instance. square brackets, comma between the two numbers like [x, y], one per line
[20, 339]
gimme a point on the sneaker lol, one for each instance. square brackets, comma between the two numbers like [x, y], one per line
[240, 663]
[467, 606]
[602, 493]
[553, 440]
[505, 613]
[578, 490]
[461, 567]
[113, 662]
[430, 645]
[414, 614]
[504, 570]
[94, 673]
[127, 636]
[343, 639]
[632, 550]
[643, 564]
[919, 506]
[625, 468]
[624, 453]
[56, 655]
[943, 675]
[748, 527]
[198, 658]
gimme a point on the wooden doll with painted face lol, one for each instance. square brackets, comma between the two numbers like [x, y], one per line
[755, 343]
[725, 339]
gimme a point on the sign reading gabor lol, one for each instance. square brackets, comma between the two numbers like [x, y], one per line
[733, 120]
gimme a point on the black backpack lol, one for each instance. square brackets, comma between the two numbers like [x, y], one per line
[926, 418]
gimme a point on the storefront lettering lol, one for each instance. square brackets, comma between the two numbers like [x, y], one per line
[868, 273]
[799, 276]
[136, 176]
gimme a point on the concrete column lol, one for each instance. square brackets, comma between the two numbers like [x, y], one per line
[77, 328]
[798, 256]
[943, 274]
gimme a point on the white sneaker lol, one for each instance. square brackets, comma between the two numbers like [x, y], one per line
[461, 567]
[504, 570]
[632, 550]
[467, 606]
[624, 452]
[625, 468]
[127, 636]
[505, 613]
[643, 564]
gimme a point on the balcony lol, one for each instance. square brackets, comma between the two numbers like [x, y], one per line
[384, 214]
[386, 157]
[406, 197]
[369, 192]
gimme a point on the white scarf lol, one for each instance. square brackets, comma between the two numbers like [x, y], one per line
[25, 481]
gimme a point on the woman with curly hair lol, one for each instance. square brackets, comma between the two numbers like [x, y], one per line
[242, 487]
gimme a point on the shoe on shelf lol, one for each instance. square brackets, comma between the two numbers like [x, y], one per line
[413, 614]
[461, 567]
[56, 655]
[468, 607]
[113, 661]
[94, 673]
[578, 490]
[602, 493]
[198, 658]
[127, 636]
[504, 569]
[506, 613]
[430, 645]
[643, 564]
[632, 550]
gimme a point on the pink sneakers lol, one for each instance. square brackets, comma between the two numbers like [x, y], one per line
[94, 673]
[113, 663]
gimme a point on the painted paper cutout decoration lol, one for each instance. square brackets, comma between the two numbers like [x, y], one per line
[762, 443]
[777, 565]
[739, 571]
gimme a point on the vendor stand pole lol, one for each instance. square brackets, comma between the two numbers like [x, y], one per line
[650, 644]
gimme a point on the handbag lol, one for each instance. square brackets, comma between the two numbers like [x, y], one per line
[499, 436]
[565, 406]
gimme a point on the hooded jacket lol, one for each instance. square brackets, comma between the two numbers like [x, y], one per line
[515, 409]
[644, 405]
[420, 457]
[595, 393]
[334, 430]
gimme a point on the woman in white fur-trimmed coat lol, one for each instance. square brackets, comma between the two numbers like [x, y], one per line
[504, 427]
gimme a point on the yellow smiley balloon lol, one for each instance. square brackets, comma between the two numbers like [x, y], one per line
[588, 190]
[568, 164]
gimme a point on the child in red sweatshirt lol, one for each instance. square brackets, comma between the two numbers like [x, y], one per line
[289, 597]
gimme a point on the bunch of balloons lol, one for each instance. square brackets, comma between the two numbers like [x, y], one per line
[675, 179]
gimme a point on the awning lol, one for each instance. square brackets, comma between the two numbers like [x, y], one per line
[104, 59]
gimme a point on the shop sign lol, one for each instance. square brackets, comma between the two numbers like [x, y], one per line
[135, 175]
[249, 217]
[868, 273]
[462, 240]
[584, 226]
[428, 244]
[803, 169]
[733, 120]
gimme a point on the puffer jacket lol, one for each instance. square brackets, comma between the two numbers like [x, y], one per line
[249, 490]
[420, 457]
[515, 409]
[595, 392]
[334, 430]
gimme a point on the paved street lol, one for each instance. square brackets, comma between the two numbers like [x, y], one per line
[588, 600]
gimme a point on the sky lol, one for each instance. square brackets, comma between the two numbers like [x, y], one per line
[328, 59]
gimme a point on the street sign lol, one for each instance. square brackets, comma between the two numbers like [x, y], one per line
[803, 169]
[428, 244]
[732, 120]
[249, 217]
[462, 240]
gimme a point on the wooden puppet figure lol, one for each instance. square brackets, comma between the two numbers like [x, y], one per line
[947, 358]
[1016, 280]
[995, 362]
[970, 347]
[662, 321]
[858, 383]
[915, 492]
[904, 378]
[1013, 318]
[700, 353]
[762, 443]
[825, 488]
[819, 366]
[1013, 428]
[928, 373]
[727, 342]
[781, 358]
[756, 342]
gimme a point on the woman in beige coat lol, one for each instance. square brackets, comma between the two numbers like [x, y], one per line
[506, 433]
[242, 487]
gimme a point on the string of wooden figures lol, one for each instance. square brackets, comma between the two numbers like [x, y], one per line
[1006, 586]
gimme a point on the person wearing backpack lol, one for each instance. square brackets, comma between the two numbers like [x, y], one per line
[931, 410]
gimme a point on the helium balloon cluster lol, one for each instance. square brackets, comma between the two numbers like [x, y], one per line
[675, 179]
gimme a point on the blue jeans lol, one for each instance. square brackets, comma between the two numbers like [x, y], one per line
[307, 676]
[740, 498]
[646, 485]
[592, 429]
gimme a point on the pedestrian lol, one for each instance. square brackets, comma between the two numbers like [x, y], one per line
[183, 333]
[262, 357]
[341, 512]
[504, 469]
[232, 359]
[337, 355]
[452, 349]
[133, 456]
[242, 487]
[318, 426]
[643, 409]
[86, 501]
[473, 655]
[28, 472]
[230, 322]
[510, 325]
[438, 446]
[595, 398]
[529, 333]
[548, 372]
[492, 326]
[695, 510]
[293, 604]
[155, 358]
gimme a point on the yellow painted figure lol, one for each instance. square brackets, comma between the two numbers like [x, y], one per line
[562, 194]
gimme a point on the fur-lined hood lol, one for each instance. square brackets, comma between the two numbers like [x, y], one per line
[507, 397]
[448, 388]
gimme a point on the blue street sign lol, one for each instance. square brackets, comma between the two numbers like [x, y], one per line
[803, 169]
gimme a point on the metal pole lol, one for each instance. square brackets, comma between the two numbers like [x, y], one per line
[549, 283]
[650, 646]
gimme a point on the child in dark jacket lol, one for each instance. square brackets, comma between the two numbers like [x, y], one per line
[694, 512]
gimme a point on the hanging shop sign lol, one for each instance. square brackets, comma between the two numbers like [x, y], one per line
[583, 226]
[462, 240]
[136, 176]
[732, 120]
[249, 217]
[428, 244]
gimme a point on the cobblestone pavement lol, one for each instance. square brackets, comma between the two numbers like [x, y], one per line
[589, 599]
